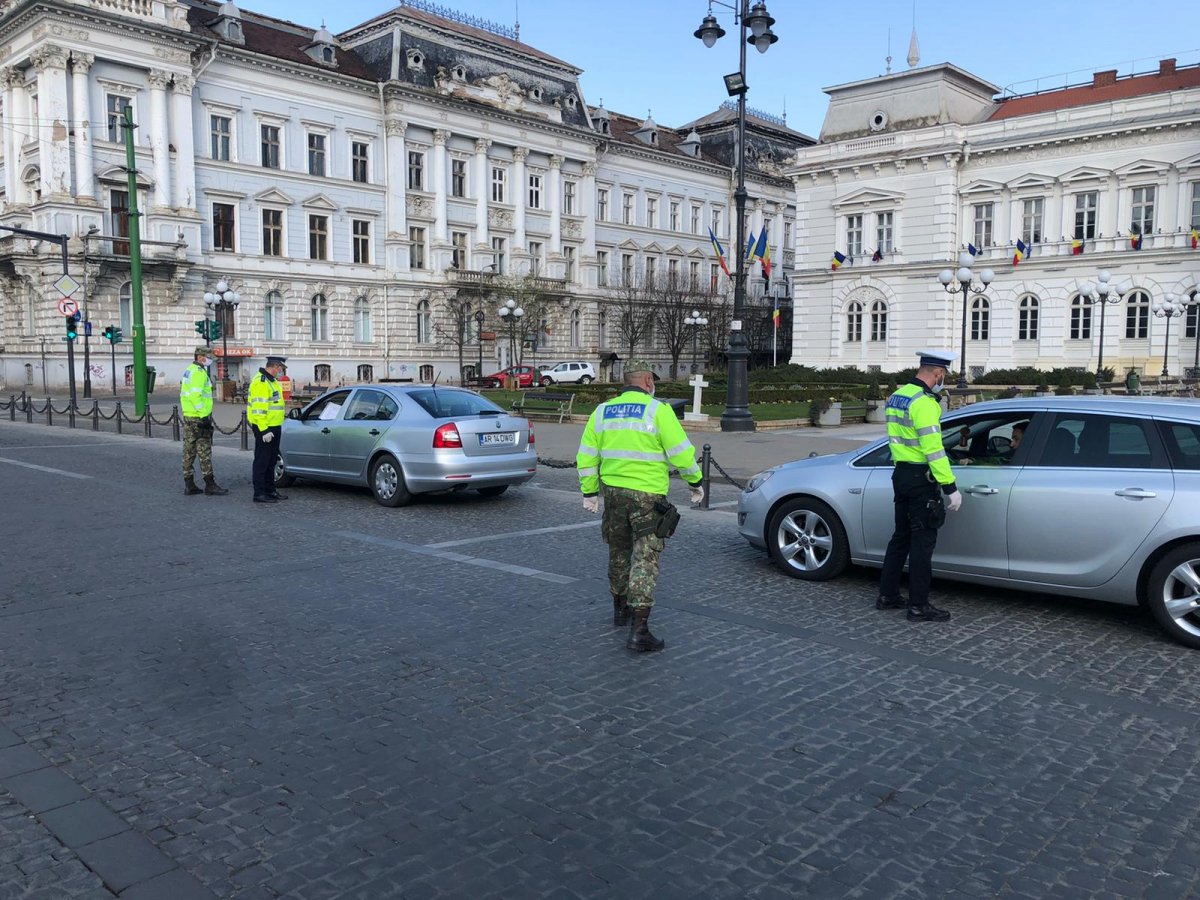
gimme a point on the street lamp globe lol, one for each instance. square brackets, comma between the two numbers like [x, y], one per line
[963, 275]
[945, 277]
[503, 312]
[210, 299]
[518, 312]
[987, 276]
[1103, 277]
[222, 286]
[709, 30]
[965, 259]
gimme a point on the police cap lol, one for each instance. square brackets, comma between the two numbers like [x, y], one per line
[276, 360]
[940, 358]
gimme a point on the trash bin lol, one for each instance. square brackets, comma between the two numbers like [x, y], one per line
[286, 384]
[151, 375]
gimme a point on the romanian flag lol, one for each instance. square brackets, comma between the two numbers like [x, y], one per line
[1135, 241]
[1195, 238]
[1076, 247]
[763, 251]
[720, 252]
[877, 256]
[838, 259]
[1022, 251]
[972, 249]
[750, 248]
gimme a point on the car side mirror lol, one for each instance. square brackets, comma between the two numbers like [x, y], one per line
[294, 413]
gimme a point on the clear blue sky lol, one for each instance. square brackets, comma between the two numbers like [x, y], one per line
[639, 55]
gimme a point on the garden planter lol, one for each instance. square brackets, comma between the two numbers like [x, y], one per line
[831, 417]
[876, 414]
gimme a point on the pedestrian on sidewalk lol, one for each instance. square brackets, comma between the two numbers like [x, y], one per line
[265, 413]
[196, 404]
[626, 453]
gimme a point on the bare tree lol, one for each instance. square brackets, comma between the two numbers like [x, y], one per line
[529, 294]
[630, 312]
[719, 312]
[673, 302]
[455, 324]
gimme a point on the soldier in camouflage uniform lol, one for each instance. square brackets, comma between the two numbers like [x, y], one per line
[196, 404]
[627, 450]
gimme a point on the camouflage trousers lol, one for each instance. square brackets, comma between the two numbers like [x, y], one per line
[633, 548]
[197, 442]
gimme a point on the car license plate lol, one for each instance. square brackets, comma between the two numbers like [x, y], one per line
[498, 439]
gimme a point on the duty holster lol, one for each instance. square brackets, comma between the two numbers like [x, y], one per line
[668, 518]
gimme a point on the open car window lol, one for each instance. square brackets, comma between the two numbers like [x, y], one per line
[327, 407]
[449, 403]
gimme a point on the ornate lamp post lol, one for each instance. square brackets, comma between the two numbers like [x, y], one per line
[223, 301]
[1194, 301]
[963, 280]
[479, 317]
[1100, 293]
[511, 315]
[1170, 307]
[758, 22]
[696, 321]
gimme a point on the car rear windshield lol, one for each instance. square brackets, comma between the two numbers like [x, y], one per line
[449, 404]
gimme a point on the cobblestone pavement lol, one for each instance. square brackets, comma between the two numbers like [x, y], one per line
[202, 697]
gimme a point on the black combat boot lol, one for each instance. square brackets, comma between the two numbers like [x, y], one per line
[927, 613]
[189, 486]
[640, 638]
[882, 602]
[212, 488]
[621, 611]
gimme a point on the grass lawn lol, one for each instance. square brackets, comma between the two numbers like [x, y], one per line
[764, 412]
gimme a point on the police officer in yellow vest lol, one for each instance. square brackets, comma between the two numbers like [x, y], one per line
[922, 485]
[627, 450]
[264, 411]
[196, 404]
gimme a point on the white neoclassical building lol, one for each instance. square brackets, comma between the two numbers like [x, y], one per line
[360, 192]
[915, 167]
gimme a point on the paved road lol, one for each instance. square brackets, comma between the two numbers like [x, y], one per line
[203, 697]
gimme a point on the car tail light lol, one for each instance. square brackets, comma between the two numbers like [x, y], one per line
[447, 436]
[532, 439]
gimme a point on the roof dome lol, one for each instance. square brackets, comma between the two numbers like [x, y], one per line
[322, 36]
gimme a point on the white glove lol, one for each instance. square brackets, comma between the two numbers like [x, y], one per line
[591, 504]
[697, 493]
[268, 437]
[953, 501]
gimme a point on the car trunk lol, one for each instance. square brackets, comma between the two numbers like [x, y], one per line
[493, 434]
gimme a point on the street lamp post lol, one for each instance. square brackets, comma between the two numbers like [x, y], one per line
[1100, 293]
[479, 317]
[696, 321]
[962, 280]
[223, 300]
[758, 22]
[1170, 307]
[511, 315]
[1194, 301]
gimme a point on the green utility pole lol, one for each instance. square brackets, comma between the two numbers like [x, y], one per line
[135, 269]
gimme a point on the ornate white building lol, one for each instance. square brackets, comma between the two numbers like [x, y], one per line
[914, 167]
[349, 188]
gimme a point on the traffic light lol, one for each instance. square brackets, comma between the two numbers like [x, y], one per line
[112, 334]
[72, 328]
[202, 328]
[214, 330]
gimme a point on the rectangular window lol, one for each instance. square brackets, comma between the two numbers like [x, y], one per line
[695, 221]
[535, 252]
[220, 129]
[984, 216]
[626, 269]
[115, 106]
[272, 232]
[458, 256]
[1081, 320]
[269, 142]
[878, 322]
[712, 278]
[318, 237]
[884, 231]
[1142, 211]
[118, 208]
[602, 204]
[1085, 215]
[673, 272]
[674, 215]
[1196, 204]
[1192, 319]
[499, 184]
[416, 170]
[569, 258]
[569, 198]
[361, 235]
[716, 221]
[498, 253]
[694, 275]
[1031, 220]
[627, 209]
[602, 268]
[222, 221]
[1137, 316]
[651, 269]
[1027, 320]
[273, 318]
[360, 159]
[316, 154]
[787, 234]
[416, 248]
[651, 212]
[458, 178]
[535, 190]
[854, 236]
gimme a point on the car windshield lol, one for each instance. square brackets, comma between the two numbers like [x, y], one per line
[449, 403]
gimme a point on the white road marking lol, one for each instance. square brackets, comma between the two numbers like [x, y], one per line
[457, 557]
[511, 534]
[59, 446]
[26, 465]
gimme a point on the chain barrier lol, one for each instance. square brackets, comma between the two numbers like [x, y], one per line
[555, 464]
[737, 484]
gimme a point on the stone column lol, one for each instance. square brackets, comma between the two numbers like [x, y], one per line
[587, 208]
[484, 188]
[1167, 217]
[185, 151]
[13, 82]
[395, 185]
[85, 177]
[1056, 217]
[159, 138]
[519, 191]
[440, 233]
[54, 142]
[554, 188]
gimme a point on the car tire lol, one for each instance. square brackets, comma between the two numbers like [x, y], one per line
[586, 379]
[494, 491]
[806, 540]
[282, 478]
[494, 385]
[387, 482]
[1174, 603]
[547, 381]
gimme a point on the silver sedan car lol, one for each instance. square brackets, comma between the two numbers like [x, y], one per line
[401, 440]
[1090, 497]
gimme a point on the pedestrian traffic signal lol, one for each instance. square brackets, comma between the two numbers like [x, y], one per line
[202, 328]
[214, 330]
[112, 334]
[72, 328]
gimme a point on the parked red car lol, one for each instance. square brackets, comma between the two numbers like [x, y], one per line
[527, 377]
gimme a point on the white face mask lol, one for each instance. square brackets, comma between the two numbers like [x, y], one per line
[939, 387]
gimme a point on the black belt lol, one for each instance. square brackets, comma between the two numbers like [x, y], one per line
[919, 465]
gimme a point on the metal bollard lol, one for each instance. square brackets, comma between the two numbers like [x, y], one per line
[149, 420]
[95, 415]
[175, 423]
[706, 474]
[119, 417]
[12, 408]
[29, 411]
[245, 426]
[70, 414]
[49, 412]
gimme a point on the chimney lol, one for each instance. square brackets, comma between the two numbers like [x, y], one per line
[1105, 78]
[1166, 67]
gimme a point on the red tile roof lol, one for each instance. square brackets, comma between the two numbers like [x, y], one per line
[1105, 88]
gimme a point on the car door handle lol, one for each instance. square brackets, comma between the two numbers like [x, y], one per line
[981, 489]
[374, 432]
[324, 431]
[1137, 493]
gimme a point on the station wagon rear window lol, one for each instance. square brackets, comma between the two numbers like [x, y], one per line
[449, 404]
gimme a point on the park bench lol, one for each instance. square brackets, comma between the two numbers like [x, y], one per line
[544, 403]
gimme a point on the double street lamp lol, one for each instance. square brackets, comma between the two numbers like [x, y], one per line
[1100, 293]
[757, 22]
[223, 301]
[695, 321]
[511, 315]
[1193, 301]
[964, 280]
[1170, 307]
[479, 317]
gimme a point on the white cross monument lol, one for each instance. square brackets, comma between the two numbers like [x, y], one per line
[698, 385]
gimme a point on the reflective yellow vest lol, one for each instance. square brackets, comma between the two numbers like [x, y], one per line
[264, 402]
[195, 392]
[915, 432]
[632, 441]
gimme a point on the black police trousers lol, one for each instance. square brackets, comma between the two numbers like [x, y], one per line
[919, 513]
[265, 457]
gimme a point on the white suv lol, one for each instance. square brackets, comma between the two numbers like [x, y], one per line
[569, 372]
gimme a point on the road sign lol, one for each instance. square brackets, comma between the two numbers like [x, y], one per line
[67, 306]
[87, 329]
[66, 285]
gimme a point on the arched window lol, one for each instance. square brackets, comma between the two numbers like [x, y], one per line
[1191, 322]
[273, 329]
[362, 320]
[1081, 319]
[576, 328]
[854, 323]
[1137, 315]
[980, 319]
[1027, 318]
[319, 315]
[879, 313]
[602, 329]
[425, 373]
[366, 374]
[125, 306]
[322, 373]
[424, 323]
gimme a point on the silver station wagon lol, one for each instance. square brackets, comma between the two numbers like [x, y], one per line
[1090, 497]
[401, 440]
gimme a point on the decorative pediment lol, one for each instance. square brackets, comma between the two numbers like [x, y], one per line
[1146, 168]
[982, 186]
[629, 244]
[697, 253]
[675, 250]
[1085, 173]
[869, 197]
[653, 247]
[274, 196]
[320, 201]
[117, 175]
[1192, 162]
[1032, 182]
